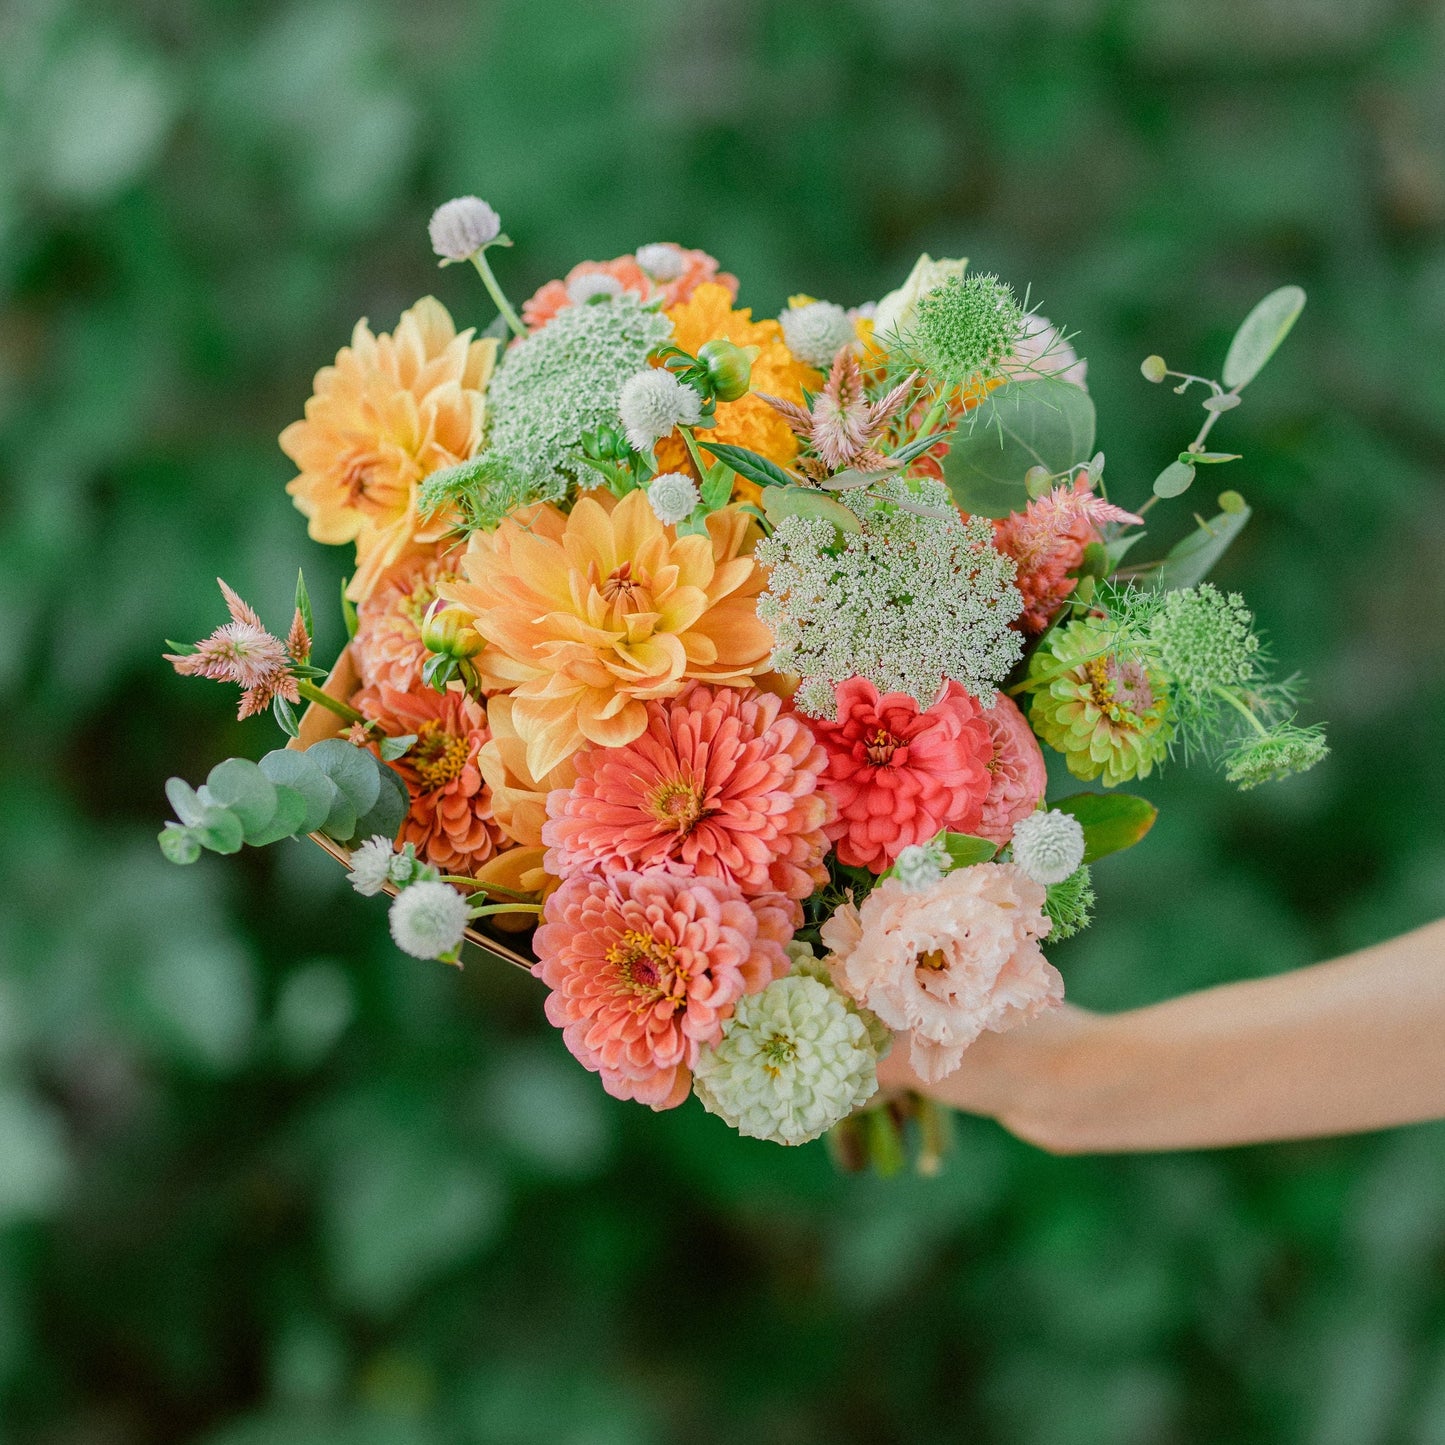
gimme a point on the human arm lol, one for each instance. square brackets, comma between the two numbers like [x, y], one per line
[1346, 1046]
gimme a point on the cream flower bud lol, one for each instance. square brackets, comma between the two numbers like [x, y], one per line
[653, 404]
[460, 228]
[429, 920]
[1049, 847]
[447, 630]
[593, 286]
[661, 260]
[816, 332]
[673, 496]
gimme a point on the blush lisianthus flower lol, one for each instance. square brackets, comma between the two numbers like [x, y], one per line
[450, 819]
[721, 784]
[388, 645]
[1018, 776]
[644, 968]
[899, 772]
[587, 617]
[947, 962]
[389, 412]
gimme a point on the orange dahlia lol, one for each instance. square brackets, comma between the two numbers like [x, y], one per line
[748, 422]
[450, 820]
[519, 801]
[588, 616]
[392, 410]
[387, 647]
[722, 784]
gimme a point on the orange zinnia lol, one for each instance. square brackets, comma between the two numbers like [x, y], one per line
[587, 616]
[748, 422]
[392, 410]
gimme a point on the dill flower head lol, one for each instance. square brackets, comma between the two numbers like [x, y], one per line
[1069, 905]
[460, 228]
[565, 380]
[653, 404]
[1049, 846]
[792, 1061]
[1107, 712]
[816, 331]
[429, 920]
[1284, 750]
[1205, 638]
[969, 326]
[907, 602]
[673, 496]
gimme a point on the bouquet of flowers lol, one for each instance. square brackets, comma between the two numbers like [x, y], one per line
[701, 664]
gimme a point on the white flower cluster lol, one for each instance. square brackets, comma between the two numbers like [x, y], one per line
[653, 404]
[374, 865]
[816, 331]
[906, 602]
[1049, 847]
[429, 920]
[673, 496]
[793, 1060]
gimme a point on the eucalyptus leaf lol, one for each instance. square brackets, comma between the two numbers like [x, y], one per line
[295, 770]
[1189, 562]
[1118, 549]
[220, 831]
[1111, 821]
[389, 811]
[242, 788]
[1227, 402]
[1260, 334]
[1042, 422]
[286, 821]
[1174, 480]
[340, 821]
[352, 769]
[189, 807]
[1207, 458]
[179, 844]
[750, 465]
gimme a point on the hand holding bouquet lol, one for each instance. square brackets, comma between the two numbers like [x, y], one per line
[701, 664]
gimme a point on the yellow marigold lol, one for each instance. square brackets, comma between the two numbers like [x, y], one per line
[392, 410]
[587, 616]
[748, 422]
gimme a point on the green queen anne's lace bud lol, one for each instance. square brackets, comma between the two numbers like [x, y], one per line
[969, 326]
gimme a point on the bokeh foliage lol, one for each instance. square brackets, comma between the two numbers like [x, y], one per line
[263, 1180]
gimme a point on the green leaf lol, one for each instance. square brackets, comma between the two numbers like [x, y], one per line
[717, 488]
[1189, 562]
[790, 501]
[296, 771]
[851, 479]
[179, 844]
[1260, 335]
[348, 610]
[220, 831]
[286, 821]
[352, 769]
[285, 716]
[303, 604]
[1043, 422]
[1118, 549]
[917, 447]
[190, 809]
[394, 748]
[1111, 821]
[241, 787]
[750, 465]
[388, 812]
[1207, 458]
[1174, 480]
[964, 849]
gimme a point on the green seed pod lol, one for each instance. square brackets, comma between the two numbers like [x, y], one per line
[729, 367]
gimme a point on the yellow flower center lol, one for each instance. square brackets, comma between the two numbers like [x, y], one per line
[645, 967]
[881, 747]
[778, 1052]
[933, 959]
[437, 757]
[1120, 690]
[676, 803]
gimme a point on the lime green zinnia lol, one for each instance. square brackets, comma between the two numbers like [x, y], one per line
[1108, 714]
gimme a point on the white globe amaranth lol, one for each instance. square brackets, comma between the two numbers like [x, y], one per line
[460, 228]
[673, 496]
[429, 920]
[661, 260]
[1049, 847]
[593, 286]
[653, 404]
[370, 866]
[816, 331]
[793, 1060]
[920, 865]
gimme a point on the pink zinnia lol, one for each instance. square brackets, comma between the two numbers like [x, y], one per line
[947, 962]
[722, 784]
[1017, 773]
[695, 268]
[644, 968]
[899, 773]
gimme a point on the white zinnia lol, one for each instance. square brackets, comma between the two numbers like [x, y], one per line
[662, 260]
[816, 332]
[673, 496]
[429, 920]
[1049, 847]
[460, 228]
[653, 403]
[591, 285]
[793, 1060]
[370, 866]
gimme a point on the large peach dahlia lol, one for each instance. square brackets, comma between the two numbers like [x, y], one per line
[645, 967]
[588, 616]
[392, 410]
[718, 786]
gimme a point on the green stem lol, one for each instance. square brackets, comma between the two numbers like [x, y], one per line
[458, 880]
[484, 270]
[1235, 703]
[312, 693]
[505, 908]
[692, 451]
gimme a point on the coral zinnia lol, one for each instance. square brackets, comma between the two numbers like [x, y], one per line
[750, 421]
[1017, 773]
[719, 785]
[387, 647]
[392, 410]
[644, 968]
[450, 820]
[674, 274]
[948, 961]
[899, 772]
[590, 615]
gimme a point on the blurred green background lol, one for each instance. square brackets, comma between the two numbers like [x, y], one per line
[264, 1180]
